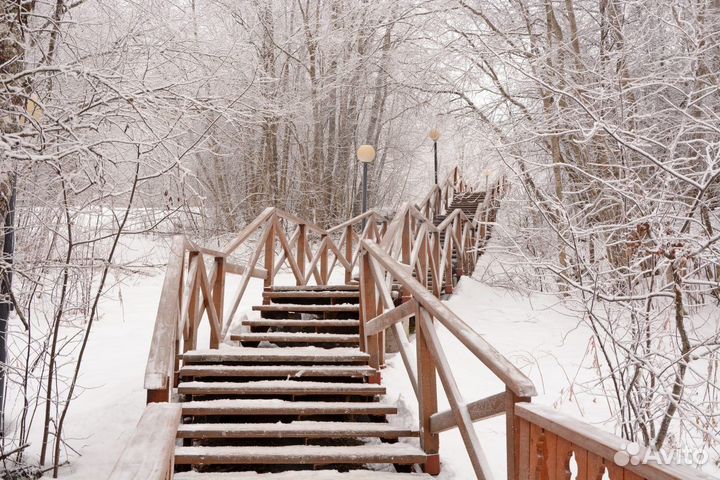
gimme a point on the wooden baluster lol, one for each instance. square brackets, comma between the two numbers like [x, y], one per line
[324, 272]
[523, 449]
[448, 261]
[269, 256]
[460, 248]
[349, 235]
[427, 398]
[436, 257]
[301, 243]
[175, 379]
[218, 294]
[194, 307]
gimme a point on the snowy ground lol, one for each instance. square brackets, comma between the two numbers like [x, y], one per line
[534, 332]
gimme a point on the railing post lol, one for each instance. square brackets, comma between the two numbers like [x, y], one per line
[512, 434]
[427, 397]
[349, 251]
[301, 242]
[218, 293]
[368, 311]
[269, 256]
[324, 272]
[406, 251]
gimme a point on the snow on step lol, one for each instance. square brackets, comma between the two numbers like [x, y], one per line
[287, 371]
[271, 322]
[303, 475]
[299, 337]
[284, 407]
[294, 307]
[314, 288]
[313, 294]
[280, 387]
[297, 429]
[300, 454]
[275, 355]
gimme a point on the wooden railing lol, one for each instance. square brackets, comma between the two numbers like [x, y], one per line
[552, 445]
[382, 266]
[409, 253]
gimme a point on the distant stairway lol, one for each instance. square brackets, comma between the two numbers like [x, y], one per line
[295, 396]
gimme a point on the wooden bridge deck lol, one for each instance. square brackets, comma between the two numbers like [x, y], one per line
[300, 394]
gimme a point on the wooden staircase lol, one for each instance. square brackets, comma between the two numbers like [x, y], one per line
[294, 399]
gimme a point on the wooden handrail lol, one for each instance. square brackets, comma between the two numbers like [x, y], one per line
[486, 353]
[161, 357]
[150, 452]
[594, 450]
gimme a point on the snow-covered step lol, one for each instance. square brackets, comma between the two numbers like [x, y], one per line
[294, 430]
[313, 294]
[300, 455]
[280, 387]
[304, 475]
[284, 407]
[278, 355]
[296, 337]
[286, 371]
[313, 288]
[296, 307]
[279, 323]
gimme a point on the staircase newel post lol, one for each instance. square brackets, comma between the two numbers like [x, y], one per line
[368, 306]
[512, 435]
[269, 256]
[427, 397]
[349, 234]
[301, 242]
[218, 294]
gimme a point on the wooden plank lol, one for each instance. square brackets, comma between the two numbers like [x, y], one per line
[512, 433]
[236, 269]
[148, 454]
[390, 317]
[600, 443]
[299, 276]
[209, 301]
[297, 429]
[280, 387]
[277, 371]
[162, 346]
[524, 449]
[595, 467]
[479, 410]
[500, 366]
[285, 407]
[536, 461]
[400, 453]
[563, 454]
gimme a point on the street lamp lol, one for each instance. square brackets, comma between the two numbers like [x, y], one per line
[366, 154]
[435, 136]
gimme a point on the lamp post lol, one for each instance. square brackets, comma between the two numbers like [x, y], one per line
[366, 154]
[435, 136]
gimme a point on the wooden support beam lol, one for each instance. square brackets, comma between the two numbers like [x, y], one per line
[482, 409]
[390, 317]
